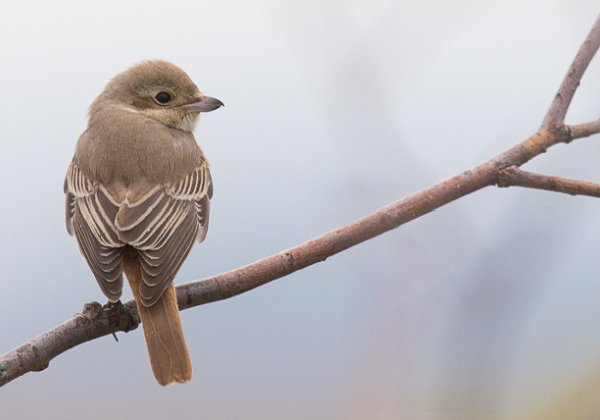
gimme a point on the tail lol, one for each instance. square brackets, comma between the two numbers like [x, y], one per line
[162, 327]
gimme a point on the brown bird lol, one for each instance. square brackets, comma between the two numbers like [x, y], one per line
[137, 198]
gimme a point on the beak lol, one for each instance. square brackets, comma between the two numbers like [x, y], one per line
[206, 104]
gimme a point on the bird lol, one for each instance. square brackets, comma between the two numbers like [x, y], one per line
[138, 192]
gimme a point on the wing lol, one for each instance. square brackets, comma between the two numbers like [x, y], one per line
[163, 225]
[89, 216]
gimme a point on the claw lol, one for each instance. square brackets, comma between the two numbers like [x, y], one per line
[118, 306]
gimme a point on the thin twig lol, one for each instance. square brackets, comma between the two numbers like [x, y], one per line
[585, 130]
[555, 116]
[513, 176]
[37, 353]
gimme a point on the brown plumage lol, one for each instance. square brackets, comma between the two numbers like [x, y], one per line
[137, 198]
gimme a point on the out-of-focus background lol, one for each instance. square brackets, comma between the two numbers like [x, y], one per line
[485, 309]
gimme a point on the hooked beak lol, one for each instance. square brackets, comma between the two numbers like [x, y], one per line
[206, 104]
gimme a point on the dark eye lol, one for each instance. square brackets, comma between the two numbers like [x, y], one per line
[162, 98]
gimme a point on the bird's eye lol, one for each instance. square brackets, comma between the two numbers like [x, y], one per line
[162, 98]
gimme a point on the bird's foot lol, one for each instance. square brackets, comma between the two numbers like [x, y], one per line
[118, 306]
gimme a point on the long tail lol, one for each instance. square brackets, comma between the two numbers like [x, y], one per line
[162, 327]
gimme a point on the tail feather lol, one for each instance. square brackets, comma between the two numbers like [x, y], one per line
[162, 327]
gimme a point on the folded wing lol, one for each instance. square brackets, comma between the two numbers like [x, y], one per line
[160, 222]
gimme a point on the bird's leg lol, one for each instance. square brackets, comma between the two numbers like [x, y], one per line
[118, 306]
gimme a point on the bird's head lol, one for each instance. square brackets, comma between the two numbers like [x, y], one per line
[158, 90]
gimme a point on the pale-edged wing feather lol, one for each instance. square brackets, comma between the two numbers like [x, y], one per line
[163, 227]
[89, 215]
[162, 224]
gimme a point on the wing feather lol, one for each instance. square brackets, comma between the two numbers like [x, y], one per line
[169, 236]
[161, 223]
[89, 216]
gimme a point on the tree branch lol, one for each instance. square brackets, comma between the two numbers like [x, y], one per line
[94, 322]
[585, 130]
[555, 116]
[513, 176]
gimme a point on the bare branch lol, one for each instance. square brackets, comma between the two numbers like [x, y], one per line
[555, 116]
[502, 170]
[585, 130]
[513, 176]
[35, 355]
[316, 250]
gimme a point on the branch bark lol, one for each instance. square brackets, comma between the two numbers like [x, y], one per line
[94, 322]
[555, 116]
[513, 176]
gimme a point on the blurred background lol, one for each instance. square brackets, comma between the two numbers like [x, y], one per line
[485, 309]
